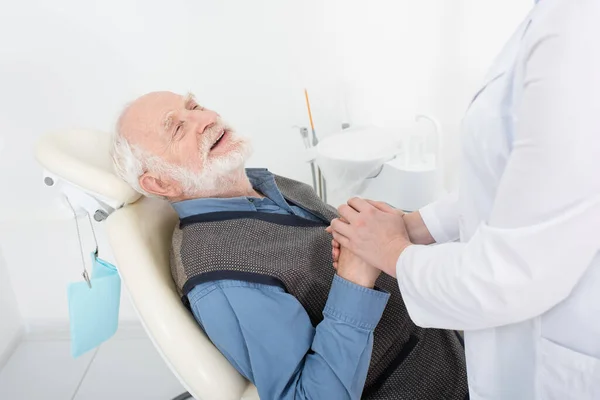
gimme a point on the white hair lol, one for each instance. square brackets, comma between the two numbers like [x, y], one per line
[131, 162]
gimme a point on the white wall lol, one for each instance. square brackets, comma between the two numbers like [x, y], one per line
[68, 63]
[11, 323]
[399, 58]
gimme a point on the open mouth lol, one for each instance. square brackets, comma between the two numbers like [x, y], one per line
[219, 139]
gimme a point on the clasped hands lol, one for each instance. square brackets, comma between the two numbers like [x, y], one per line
[368, 238]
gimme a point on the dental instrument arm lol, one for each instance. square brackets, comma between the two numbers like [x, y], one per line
[307, 145]
[320, 187]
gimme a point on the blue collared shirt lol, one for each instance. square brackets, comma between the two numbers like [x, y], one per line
[261, 180]
[266, 334]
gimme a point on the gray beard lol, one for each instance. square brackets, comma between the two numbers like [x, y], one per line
[218, 176]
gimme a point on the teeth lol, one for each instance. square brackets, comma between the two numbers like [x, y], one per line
[217, 141]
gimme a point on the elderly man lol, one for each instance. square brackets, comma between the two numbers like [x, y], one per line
[253, 262]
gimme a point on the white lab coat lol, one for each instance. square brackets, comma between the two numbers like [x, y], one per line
[524, 279]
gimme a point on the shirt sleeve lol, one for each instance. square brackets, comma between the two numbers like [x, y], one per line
[441, 218]
[267, 336]
[542, 234]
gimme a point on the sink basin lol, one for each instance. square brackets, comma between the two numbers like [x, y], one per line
[356, 153]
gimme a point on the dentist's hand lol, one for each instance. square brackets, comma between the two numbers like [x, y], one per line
[355, 270]
[373, 231]
[335, 246]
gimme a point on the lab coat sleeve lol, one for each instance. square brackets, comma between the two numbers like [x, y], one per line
[441, 218]
[543, 231]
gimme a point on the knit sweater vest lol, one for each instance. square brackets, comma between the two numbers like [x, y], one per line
[408, 362]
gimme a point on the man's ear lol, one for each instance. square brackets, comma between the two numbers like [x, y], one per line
[159, 187]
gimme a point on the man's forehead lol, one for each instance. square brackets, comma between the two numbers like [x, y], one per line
[150, 112]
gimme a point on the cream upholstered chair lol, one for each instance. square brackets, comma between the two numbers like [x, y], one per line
[139, 231]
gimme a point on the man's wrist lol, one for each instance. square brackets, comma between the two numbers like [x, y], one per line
[350, 275]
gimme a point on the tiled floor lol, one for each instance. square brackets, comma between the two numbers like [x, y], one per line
[127, 367]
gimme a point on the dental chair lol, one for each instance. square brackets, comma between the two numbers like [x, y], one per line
[139, 229]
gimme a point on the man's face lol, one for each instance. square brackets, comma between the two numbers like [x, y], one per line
[185, 135]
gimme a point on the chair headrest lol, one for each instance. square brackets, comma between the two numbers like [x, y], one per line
[82, 157]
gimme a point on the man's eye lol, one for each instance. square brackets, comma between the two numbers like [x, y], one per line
[178, 129]
[197, 107]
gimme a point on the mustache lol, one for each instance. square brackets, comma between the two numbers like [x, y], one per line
[214, 131]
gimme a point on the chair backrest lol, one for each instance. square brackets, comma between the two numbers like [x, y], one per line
[140, 237]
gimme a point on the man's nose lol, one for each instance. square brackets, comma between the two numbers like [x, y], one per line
[204, 119]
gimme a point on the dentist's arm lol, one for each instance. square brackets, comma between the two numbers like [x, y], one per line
[435, 223]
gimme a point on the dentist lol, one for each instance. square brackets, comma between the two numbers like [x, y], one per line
[516, 259]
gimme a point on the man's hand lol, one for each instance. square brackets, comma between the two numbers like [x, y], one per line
[335, 251]
[373, 231]
[355, 270]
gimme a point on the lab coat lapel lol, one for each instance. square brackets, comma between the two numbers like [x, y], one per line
[505, 59]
